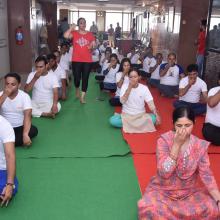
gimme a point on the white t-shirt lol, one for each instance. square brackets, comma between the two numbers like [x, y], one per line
[118, 78]
[60, 73]
[43, 87]
[213, 114]
[194, 92]
[136, 100]
[148, 63]
[95, 55]
[13, 109]
[6, 135]
[64, 61]
[102, 48]
[111, 76]
[134, 59]
[172, 76]
[156, 73]
[70, 53]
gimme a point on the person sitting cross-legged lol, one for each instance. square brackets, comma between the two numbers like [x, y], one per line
[60, 73]
[176, 192]
[15, 106]
[109, 72]
[211, 127]
[133, 97]
[44, 86]
[8, 180]
[155, 71]
[191, 88]
[170, 74]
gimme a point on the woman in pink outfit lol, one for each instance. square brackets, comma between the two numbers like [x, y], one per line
[176, 192]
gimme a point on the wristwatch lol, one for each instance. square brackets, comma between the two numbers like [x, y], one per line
[11, 184]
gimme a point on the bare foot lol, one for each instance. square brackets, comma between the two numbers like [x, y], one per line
[48, 115]
[82, 100]
[77, 93]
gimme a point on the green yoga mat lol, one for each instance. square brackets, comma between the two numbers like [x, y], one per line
[78, 131]
[78, 189]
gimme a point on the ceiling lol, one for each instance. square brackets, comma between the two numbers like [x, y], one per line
[124, 5]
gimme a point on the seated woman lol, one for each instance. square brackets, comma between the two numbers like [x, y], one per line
[121, 78]
[176, 192]
[8, 181]
[211, 127]
[133, 97]
[109, 82]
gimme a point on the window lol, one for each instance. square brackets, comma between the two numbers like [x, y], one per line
[113, 18]
[90, 16]
[126, 22]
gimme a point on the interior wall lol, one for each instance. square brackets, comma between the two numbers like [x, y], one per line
[191, 14]
[165, 38]
[49, 10]
[4, 48]
[20, 55]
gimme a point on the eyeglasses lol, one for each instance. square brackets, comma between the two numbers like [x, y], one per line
[39, 66]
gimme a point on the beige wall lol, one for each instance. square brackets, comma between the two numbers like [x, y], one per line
[4, 49]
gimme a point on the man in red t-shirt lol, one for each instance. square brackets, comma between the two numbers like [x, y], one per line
[201, 47]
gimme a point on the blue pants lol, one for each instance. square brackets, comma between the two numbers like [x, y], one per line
[3, 181]
[198, 108]
[116, 120]
[154, 82]
[168, 91]
[199, 62]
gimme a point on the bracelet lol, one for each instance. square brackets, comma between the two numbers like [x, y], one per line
[217, 202]
[11, 184]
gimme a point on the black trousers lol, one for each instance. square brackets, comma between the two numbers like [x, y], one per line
[115, 101]
[211, 133]
[81, 70]
[19, 134]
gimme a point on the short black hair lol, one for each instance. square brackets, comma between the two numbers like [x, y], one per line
[172, 54]
[183, 111]
[124, 60]
[108, 49]
[51, 56]
[192, 68]
[134, 70]
[41, 58]
[14, 75]
[114, 55]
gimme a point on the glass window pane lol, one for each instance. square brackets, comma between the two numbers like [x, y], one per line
[90, 16]
[113, 18]
[126, 22]
[73, 17]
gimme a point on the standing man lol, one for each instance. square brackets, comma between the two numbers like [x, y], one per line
[111, 35]
[94, 29]
[200, 42]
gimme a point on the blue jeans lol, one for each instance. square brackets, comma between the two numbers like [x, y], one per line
[198, 108]
[154, 82]
[3, 181]
[199, 62]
